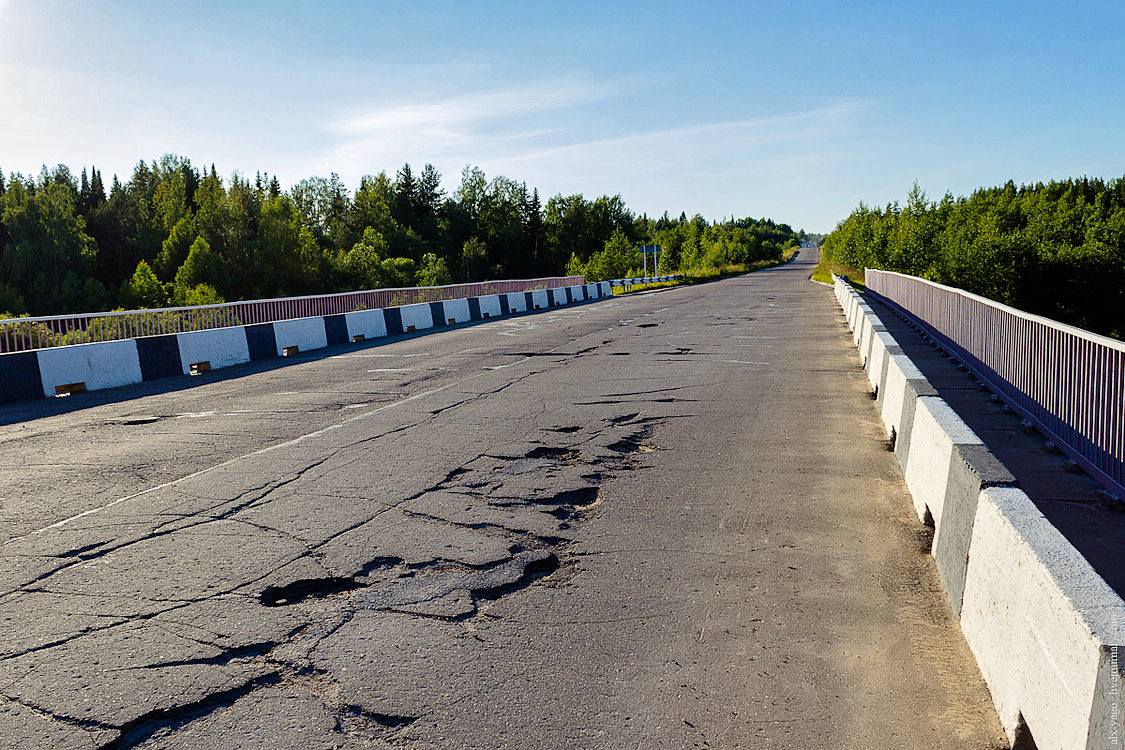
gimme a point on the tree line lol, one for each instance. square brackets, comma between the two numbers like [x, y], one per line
[1055, 249]
[175, 234]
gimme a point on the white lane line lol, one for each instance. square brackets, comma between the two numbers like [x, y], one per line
[259, 452]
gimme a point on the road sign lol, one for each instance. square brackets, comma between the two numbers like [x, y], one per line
[645, 250]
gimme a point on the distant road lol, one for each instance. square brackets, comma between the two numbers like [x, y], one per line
[665, 520]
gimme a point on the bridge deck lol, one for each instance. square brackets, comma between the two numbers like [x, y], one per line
[667, 520]
[1070, 500]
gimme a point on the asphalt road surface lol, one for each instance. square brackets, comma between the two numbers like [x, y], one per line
[664, 520]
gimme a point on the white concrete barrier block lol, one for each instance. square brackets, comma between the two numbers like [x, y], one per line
[456, 311]
[416, 317]
[935, 430]
[304, 333]
[880, 342]
[218, 347]
[558, 296]
[862, 321]
[872, 325]
[517, 302]
[606, 287]
[578, 293]
[1040, 622]
[106, 364]
[490, 306]
[367, 323]
[899, 370]
[539, 299]
[592, 291]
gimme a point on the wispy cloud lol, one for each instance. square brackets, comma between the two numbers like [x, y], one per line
[758, 166]
[466, 126]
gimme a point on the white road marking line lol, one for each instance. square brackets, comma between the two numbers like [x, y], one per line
[260, 451]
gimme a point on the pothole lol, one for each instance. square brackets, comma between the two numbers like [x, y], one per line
[556, 454]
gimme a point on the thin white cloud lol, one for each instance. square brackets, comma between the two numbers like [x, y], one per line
[760, 166]
[465, 126]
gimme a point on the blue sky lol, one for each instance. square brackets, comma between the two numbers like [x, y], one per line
[793, 110]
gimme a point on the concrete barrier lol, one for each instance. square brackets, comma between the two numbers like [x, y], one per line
[20, 379]
[300, 335]
[1045, 628]
[538, 300]
[28, 375]
[368, 324]
[936, 428]
[106, 364]
[212, 349]
[607, 290]
[882, 345]
[415, 317]
[490, 306]
[454, 311]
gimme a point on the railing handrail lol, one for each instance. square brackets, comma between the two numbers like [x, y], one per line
[1058, 326]
[301, 298]
[23, 334]
[1068, 382]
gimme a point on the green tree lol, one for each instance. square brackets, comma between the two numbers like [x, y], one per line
[144, 290]
[47, 242]
[433, 271]
[474, 260]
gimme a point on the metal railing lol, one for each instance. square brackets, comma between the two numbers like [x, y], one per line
[1069, 382]
[628, 284]
[26, 334]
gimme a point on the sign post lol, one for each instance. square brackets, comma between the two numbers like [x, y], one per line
[645, 250]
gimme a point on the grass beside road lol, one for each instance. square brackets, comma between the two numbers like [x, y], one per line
[824, 270]
[702, 275]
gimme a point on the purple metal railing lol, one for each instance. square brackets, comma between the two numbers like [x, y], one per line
[1069, 382]
[26, 334]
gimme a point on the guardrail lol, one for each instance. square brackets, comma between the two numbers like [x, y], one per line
[27, 334]
[1068, 382]
[628, 284]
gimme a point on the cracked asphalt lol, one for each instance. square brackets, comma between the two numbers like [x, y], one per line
[664, 520]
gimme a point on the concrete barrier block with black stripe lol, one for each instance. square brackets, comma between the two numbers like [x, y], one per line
[415, 317]
[538, 300]
[558, 296]
[365, 324]
[82, 367]
[450, 312]
[299, 335]
[576, 293]
[20, 377]
[490, 306]
[517, 302]
[201, 351]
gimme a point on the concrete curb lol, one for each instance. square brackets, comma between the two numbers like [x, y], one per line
[1044, 627]
[86, 367]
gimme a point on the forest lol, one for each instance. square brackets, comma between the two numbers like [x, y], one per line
[1055, 249]
[175, 234]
